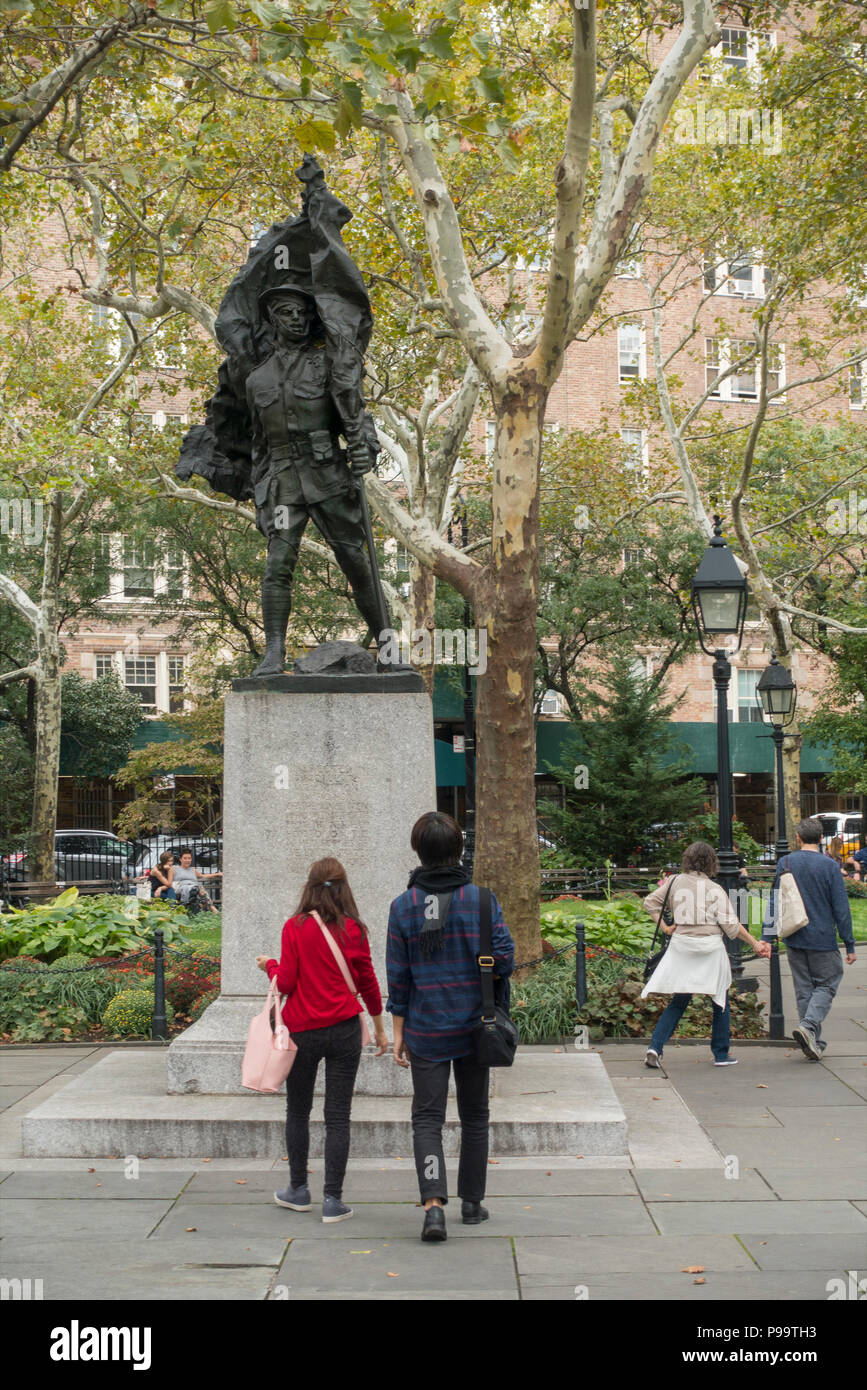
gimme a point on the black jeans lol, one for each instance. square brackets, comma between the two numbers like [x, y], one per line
[340, 1045]
[430, 1083]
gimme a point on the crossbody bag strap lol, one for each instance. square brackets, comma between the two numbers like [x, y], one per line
[657, 928]
[347, 975]
[486, 959]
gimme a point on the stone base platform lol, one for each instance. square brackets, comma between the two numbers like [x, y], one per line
[547, 1103]
[209, 1061]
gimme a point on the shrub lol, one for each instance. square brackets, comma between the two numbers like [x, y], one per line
[23, 965]
[31, 1009]
[74, 961]
[184, 985]
[202, 1003]
[130, 1012]
[619, 923]
[543, 1006]
[106, 924]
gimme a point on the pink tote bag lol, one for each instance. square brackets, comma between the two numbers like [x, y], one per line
[269, 1053]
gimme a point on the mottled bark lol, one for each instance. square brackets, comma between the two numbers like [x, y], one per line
[423, 598]
[47, 714]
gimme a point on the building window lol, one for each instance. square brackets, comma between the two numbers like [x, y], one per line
[740, 48]
[102, 564]
[550, 703]
[104, 663]
[632, 555]
[140, 678]
[748, 710]
[490, 439]
[743, 384]
[176, 684]
[858, 384]
[630, 353]
[742, 276]
[173, 567]
[635, 449]
[138, 568]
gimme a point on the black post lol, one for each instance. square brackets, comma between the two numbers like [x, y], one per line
[729, 875]
[580, 966]
[469, 733]
[159, 1025]
[776, 1019]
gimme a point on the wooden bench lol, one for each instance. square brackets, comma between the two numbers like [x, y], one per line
[43, 890]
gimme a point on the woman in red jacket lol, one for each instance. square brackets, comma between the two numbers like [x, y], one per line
[323, 1018]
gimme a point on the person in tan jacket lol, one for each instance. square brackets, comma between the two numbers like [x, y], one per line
[696, 961]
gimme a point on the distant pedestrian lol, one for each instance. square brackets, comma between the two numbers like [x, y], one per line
[812, 951]
[696, 961]
[435, 998]
[322, 1015]
[186, 881]
[161, 877]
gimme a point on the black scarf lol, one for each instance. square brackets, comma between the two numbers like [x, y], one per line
[444, 879]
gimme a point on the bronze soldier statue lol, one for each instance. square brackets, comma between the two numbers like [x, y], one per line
[294, 324]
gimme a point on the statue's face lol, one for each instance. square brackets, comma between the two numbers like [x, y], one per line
[291, 315]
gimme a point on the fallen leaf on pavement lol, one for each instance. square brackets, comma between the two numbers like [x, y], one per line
[761, 1086]
[360, 1252]
[699, 1281]
[693, 1269]
[91, 1170]
[191, 1228]
[206, 1160]
[391, 1275]
[240, 1181]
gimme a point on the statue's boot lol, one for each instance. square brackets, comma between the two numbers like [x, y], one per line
[276, 607]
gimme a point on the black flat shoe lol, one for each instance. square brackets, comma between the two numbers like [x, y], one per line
[472, 1213]
[434, 1227]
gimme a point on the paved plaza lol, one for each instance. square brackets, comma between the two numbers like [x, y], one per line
[747, 1182]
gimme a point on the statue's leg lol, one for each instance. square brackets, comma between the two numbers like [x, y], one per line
[340, 522]
[283, 545]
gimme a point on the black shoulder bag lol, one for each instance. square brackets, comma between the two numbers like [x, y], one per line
[495, 1037]
[656, 956]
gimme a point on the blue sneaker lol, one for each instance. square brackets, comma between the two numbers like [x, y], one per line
[295, 1198]
[335, 1210]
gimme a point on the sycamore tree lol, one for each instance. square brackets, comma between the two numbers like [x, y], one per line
[495, 87]
[754, 315]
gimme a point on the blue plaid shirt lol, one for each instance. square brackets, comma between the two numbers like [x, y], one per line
[439, 996]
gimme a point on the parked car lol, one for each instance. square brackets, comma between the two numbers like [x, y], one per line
[78, 855]
[207, 851]
[846, 824]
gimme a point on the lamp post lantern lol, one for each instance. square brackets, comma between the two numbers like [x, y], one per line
[719, 601]
[777, 697]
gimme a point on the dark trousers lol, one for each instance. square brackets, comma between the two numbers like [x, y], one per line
[340, 1045]
[671, 1016]
[430, 1083]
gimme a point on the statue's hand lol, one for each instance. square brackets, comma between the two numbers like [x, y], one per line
[359, 453]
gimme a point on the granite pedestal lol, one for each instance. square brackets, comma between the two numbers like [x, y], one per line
[314, 766]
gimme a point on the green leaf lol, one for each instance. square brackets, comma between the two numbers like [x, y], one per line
[219, 15]
[313, 135]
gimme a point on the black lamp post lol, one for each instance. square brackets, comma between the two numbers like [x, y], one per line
[777, 696]
[719, 601]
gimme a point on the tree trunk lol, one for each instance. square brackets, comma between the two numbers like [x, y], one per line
[792, 782]
[507, 845]
[43, 821]
[423, 596]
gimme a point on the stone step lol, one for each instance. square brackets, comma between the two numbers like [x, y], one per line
[548, 1103]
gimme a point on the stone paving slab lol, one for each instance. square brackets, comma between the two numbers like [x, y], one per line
[862, 1206]
[68, 1219]
[691, 1185]
[755, 1286]
[800, 1250]
[818, 1218]
[9, 1095]
[402, 1220]
[143, 1271]
[817, 1151]
[401, 1186]
[576, 1259]
[482, 1267]
[663, 1132]
[815, 1184]
[94, 1186]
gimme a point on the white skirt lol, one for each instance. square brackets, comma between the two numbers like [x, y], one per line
[693, 965]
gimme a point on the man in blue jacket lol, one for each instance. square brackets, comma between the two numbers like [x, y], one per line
[812, 952]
